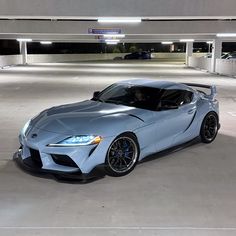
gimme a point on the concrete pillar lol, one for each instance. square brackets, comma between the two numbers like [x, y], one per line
[23, 52]
[189, 52]
[216, 53]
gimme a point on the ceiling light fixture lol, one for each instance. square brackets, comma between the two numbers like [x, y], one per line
[186, 40]
[24, 40]
[46, 42]
[113, 35]
[167, 43]
[112, 43]
[226, 35]
[112, 40]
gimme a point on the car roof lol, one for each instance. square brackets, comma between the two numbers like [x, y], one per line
[156, 84]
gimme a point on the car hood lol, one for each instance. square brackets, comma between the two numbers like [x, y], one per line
[88, 117]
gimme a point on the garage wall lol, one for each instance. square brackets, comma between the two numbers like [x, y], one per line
[44, 58]
[10, 60]
[226, 67]
[223, 67]
[200, 62]
[47, 58]
[182, 8]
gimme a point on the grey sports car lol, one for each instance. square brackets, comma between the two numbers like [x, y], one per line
[118, 127]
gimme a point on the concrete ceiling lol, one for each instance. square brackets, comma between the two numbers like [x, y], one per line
[152, 9]
[162, 19]
[146, 31]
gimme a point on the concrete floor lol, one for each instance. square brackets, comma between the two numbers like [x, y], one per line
[189, 192]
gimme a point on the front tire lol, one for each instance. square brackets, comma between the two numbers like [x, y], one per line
[122, 155]
[209, 128]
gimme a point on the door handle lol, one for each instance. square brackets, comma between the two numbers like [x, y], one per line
[191, 111]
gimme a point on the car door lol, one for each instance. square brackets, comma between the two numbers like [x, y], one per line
[174, 120]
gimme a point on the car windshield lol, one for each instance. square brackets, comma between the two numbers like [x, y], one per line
[131, 95]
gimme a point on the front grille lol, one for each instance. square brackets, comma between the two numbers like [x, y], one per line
[35, 156]
[63, 160]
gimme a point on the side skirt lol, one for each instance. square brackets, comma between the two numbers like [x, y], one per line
[170, 150]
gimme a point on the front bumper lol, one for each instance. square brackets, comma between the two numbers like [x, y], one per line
[29, 165]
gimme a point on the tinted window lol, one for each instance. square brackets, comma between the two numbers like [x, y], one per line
[149, 98]
[130, 95]
[178, 97]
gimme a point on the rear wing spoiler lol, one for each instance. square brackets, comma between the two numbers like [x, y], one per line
[212, 88]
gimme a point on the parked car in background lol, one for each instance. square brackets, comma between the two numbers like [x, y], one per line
[231, 56]
[208, 55]
[118, 58]
[138, 55]
[224, 55]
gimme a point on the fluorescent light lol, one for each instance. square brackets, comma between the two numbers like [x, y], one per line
[226, 35]
[113, 35]
[111, 43]
[186, 40]
[112, 40]
[46, 42]
[209, 42]
[24, 40]
[119, 20]
[166, 42]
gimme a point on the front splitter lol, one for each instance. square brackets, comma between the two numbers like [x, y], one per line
[29, 166]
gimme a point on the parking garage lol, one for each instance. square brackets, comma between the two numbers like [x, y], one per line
[188, 191]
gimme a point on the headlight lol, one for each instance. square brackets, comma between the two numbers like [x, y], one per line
[25, 128]
[80, 140]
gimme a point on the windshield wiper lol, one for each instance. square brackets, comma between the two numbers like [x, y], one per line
[97, 99]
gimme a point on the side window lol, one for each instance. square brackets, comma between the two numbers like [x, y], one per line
[173, 98]
[188, 97]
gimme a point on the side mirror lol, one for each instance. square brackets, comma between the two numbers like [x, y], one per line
[95, 94]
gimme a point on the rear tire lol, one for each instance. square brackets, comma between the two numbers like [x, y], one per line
[209, 128]
[122, 155]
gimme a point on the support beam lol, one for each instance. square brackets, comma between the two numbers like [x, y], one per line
[216, 53]
[200, 29]
[23, 52]
[189, 52]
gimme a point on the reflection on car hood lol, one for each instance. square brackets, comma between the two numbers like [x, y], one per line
[84, 116]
